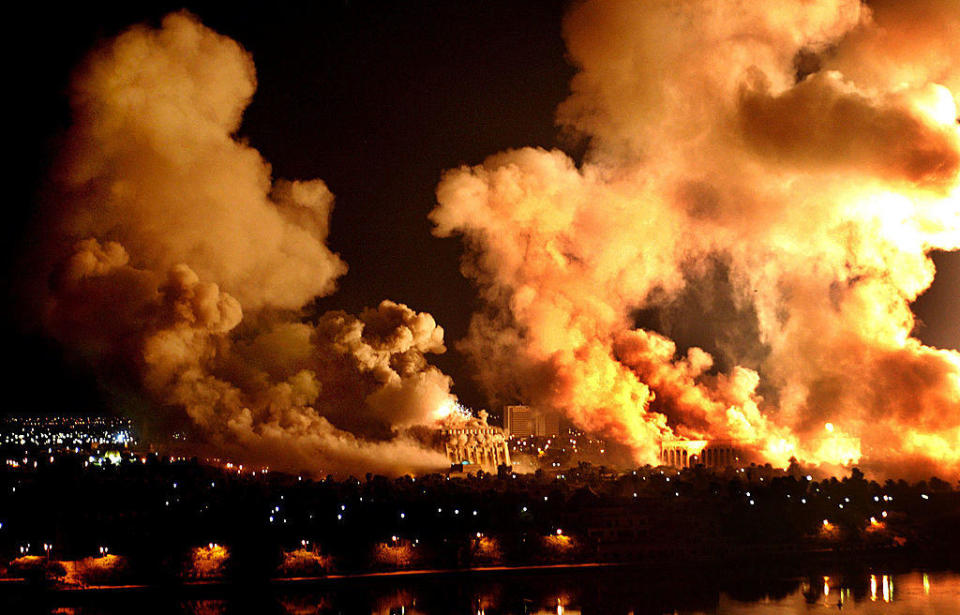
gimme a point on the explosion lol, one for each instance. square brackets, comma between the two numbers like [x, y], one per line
[736, 254]
[734, 257]
[178, 265]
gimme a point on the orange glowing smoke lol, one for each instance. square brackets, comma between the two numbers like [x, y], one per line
[177, 264]
[735, 257]
[737, 253]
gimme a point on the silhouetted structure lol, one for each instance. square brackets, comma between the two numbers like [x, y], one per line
[525, 421]
[710, 453]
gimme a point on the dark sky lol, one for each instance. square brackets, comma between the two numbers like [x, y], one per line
[376, 99]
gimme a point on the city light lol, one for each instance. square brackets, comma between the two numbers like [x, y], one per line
[702, 246]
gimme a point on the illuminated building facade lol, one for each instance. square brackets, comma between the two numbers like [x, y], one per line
[481, 446]
[709, 453]
[524, 421]
[519, 421]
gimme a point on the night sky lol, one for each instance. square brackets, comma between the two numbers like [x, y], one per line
[375, 98]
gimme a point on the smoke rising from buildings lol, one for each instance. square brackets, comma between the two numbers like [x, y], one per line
[737, 253]
[734, 257]
[176, 262]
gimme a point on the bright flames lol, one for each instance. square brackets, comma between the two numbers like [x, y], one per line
[736, 255]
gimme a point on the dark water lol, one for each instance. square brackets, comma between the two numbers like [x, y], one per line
[608, 591]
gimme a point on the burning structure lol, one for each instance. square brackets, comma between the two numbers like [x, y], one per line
[709, 453]
[790, 171]
[157, 110]
[735, 254]
[471, 441]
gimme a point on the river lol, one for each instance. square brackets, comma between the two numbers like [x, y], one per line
[606, 591]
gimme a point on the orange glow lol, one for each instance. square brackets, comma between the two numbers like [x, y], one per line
[304, 563]
[180, 203]
[822, 261]
[558, 546]
[208, 562]
[806, 209]
[829, 531]
[395, 553]
[876, 526]
[103, 570]
[487, 550]
[27, 565]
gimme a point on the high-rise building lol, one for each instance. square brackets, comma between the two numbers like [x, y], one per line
[519, 421]
[548, 424]
[524, 421]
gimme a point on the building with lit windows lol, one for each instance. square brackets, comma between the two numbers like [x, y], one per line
[524, 421]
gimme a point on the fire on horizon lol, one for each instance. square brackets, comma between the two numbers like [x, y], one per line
[733, 257]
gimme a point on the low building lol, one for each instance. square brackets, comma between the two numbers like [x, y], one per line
[709, 453]
[476, 445]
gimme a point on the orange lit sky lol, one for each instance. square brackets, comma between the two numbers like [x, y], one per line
[695, 220]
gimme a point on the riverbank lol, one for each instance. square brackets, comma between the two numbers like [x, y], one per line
[767, 562]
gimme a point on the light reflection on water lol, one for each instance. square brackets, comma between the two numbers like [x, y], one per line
[918, 593]
[610, 592]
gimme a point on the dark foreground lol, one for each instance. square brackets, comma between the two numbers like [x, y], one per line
[785, 588]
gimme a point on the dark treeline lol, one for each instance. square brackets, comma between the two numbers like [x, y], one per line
[154, 513]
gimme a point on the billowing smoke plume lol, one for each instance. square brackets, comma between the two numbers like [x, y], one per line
[178, 263]
[737, 254]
